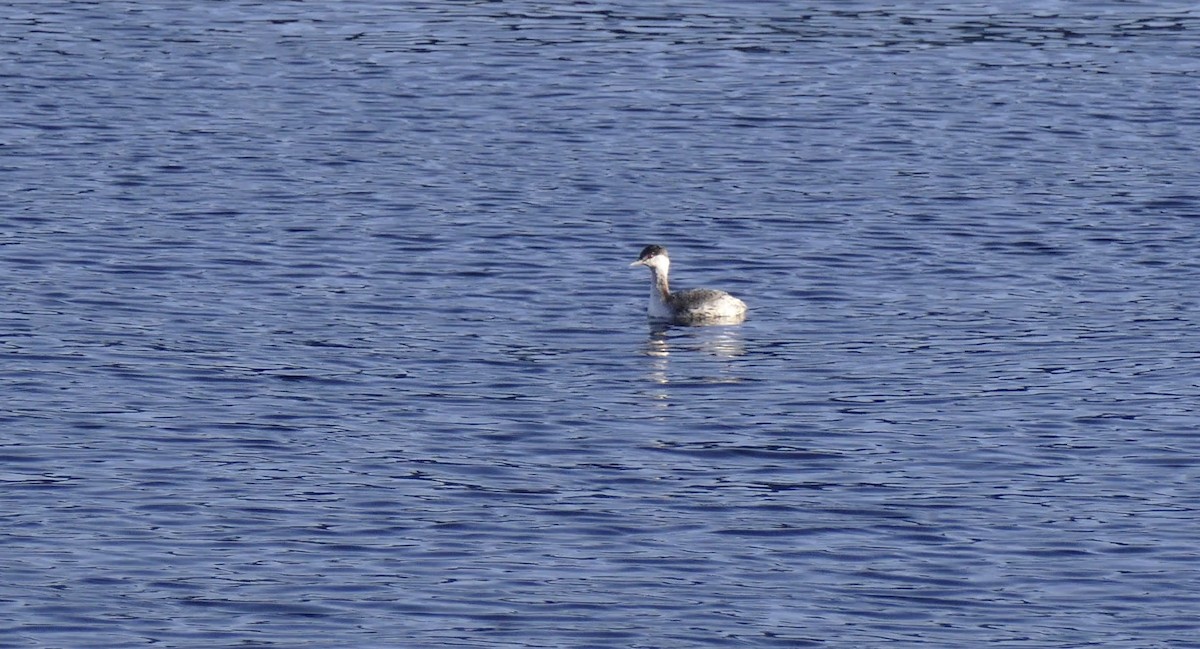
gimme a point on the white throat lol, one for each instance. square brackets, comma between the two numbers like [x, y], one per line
[659, 287]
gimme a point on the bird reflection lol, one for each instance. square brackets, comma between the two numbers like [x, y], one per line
[714, 343]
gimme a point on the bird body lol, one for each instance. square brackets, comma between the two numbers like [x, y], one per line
[694, 306]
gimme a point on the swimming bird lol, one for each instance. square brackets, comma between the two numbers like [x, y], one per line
[693, 307]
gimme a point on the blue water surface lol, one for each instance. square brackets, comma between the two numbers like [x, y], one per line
[319, 331]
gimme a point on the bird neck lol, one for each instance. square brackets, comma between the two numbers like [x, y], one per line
[661, 290]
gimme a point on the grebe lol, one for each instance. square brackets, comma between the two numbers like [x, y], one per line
[695, 306]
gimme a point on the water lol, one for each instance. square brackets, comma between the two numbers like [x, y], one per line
[319, 330]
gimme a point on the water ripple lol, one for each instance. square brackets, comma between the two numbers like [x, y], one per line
[319, 324]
